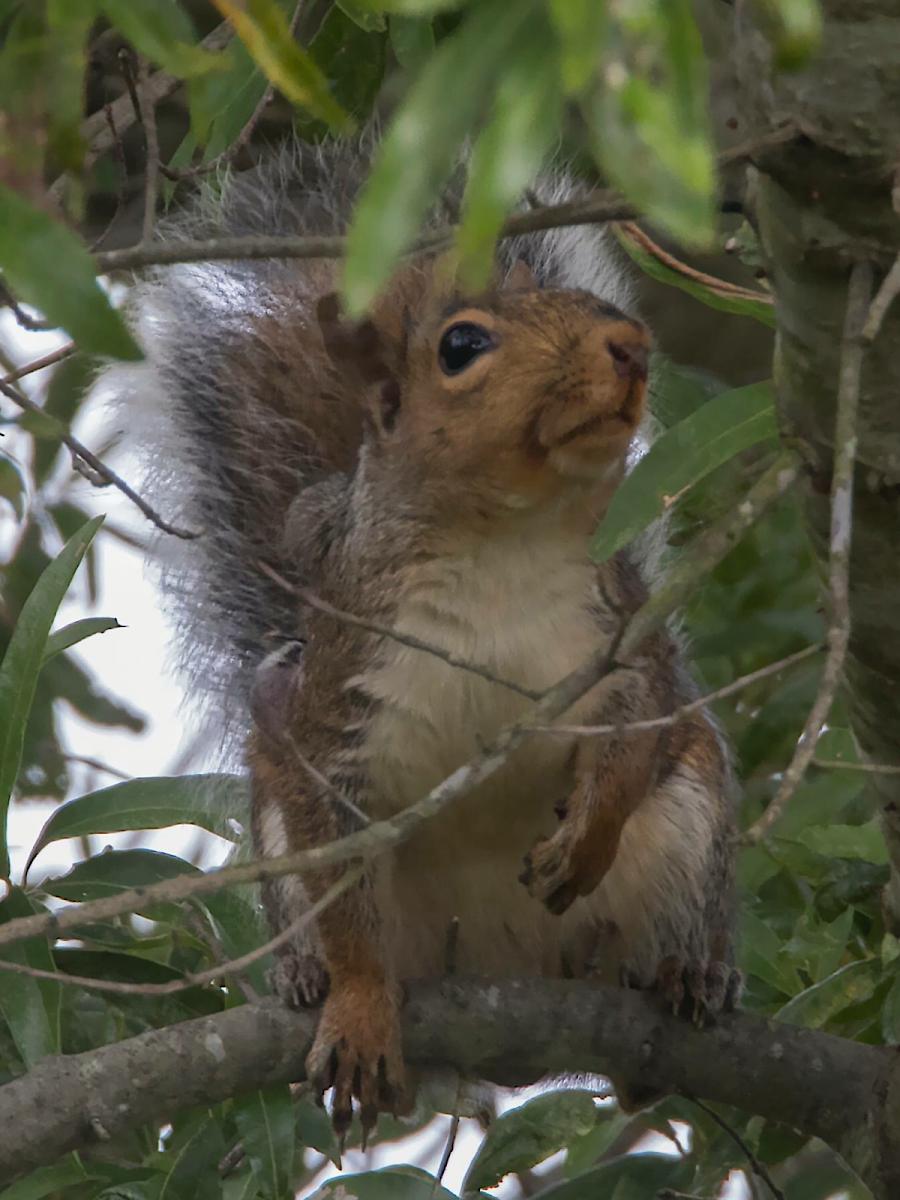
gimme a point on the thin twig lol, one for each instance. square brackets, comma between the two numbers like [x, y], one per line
[325, 783]
[597, 208]
[96, 765]
[234, 967]
[686, 710]
[841, 534]
[38, 364]
[752, 146]
[721, 287]
[214, 943]
[104, 474]
[32, 324]
[451, 1139]
[759, 1168]
[151, 139]
[381, 836]
[884, 298]
[405, 639]
[872, 768]
[123, 180]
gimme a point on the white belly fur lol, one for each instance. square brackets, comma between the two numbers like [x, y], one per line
[527, 619]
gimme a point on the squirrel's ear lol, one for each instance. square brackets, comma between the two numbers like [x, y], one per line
[354, 346]
[521, 278]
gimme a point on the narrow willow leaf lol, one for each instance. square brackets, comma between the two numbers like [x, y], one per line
[508, 152]
[367, 16]
[70, 635]
[263, 28]
[12, 486]
[48, 267]
[412, 39]
[266, 1126]
[210, 801]
[522, 1138]
[685, 454]
[22, 663]
[760, 310]
[677, 390]
[422, 145]
[117, 871]
[581, 29]
[68, 24]
[849, 985]
[164, 33]
[30, 1007]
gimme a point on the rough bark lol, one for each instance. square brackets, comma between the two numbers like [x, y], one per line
[825, 200]
[510, 1033]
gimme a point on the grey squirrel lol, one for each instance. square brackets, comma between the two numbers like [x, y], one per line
[438, 467]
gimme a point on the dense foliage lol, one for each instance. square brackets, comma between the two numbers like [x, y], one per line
[624, 87]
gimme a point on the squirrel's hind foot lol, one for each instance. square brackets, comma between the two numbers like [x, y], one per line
[357, 1053]
[696, 991]
[300, 980]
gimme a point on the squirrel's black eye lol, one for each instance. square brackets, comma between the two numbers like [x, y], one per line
[461, 345]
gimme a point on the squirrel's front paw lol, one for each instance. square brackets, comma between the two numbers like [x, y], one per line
[299, 979]
[557, 869]
[698, 991]
[357, 1052]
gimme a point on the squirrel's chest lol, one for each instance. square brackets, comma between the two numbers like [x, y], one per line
[524, 620]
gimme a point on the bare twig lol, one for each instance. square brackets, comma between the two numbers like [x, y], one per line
[151, 138]
[752, 146]
[884, 298]
[841, 534]
[685, 710]
[600, 207]
[38, 364]
[721, 287]
[96, 765]
[405, 639]
[32, 324]
[233, 967]
[759, 1168]
[213, 942]
[325, 783]
[872, 768]
[123, 180]
[380, 836]
[103, 474]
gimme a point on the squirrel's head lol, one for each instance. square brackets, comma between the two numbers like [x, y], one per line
[505, 401]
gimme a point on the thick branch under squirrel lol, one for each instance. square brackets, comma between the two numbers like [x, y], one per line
[439, 467]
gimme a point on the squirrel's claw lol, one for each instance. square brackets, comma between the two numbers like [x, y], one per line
[697, 991]
[358, 1055]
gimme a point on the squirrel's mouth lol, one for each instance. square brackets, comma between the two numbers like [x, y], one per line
[607, 427]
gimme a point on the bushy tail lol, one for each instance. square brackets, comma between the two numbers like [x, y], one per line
[231, 410]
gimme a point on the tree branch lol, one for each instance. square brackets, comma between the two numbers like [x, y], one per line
[510, 1033]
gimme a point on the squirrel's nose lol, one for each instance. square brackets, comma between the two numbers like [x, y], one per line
[629, 359]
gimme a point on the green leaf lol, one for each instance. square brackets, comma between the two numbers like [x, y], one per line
[194, 1174]
[47, 266]
[628, 1177]
[760, 310]
[818, 1004]
[412, 39]
[763, 955]
[116, 871]
[509, 150]
[685, 454]
[367, 17]
[265, 1123]
[46, 1180]
[865, 842]
[581, 27]
[527, 1135]
[164, 33]
[583, 1152]
[71, 635]
[209, 801]
[67, 388]
[676, 390]
[421, 147]
[797, 30]
[314, 1128]
[22, 663]
[29, 1006]
[395, 1183]
[263, 28]
[890, 1015]
[12, 486]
